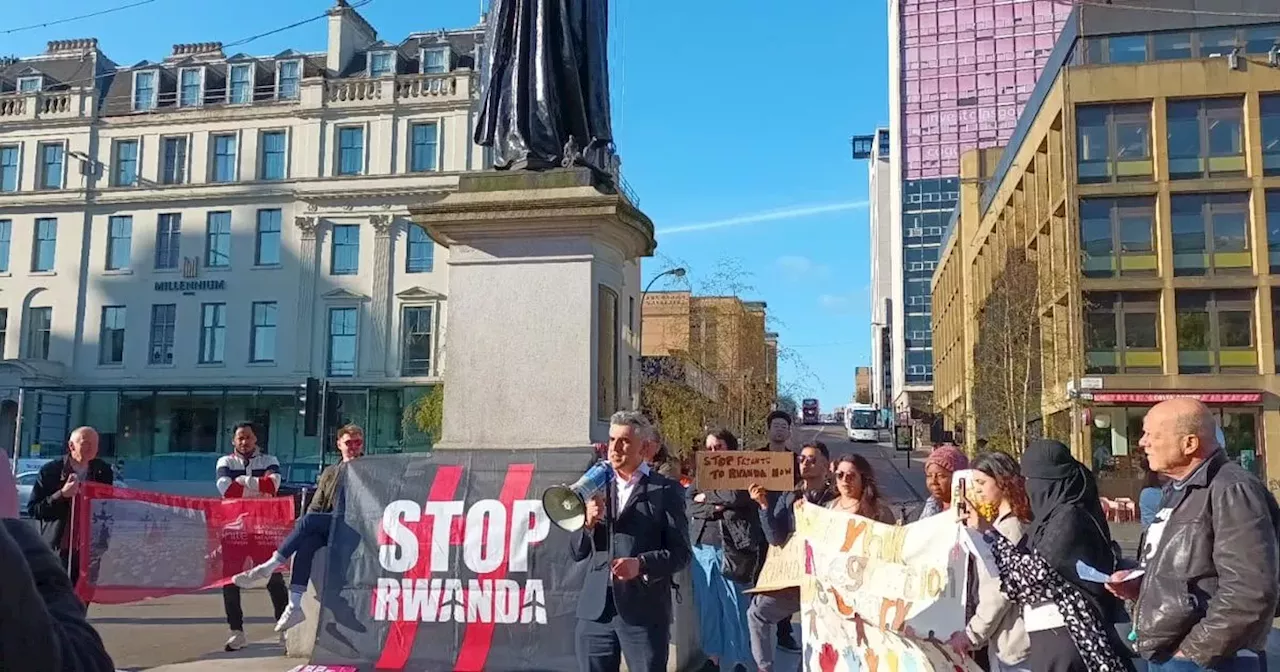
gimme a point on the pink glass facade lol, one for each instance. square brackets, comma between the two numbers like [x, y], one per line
[968, 66]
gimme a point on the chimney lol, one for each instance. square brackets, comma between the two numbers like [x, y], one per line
[348, 34]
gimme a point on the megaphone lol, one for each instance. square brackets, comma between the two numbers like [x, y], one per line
[566, 505]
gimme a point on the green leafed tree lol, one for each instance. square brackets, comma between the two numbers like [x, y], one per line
[426, 415]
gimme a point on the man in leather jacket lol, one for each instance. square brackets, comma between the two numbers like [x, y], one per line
[1212, 578]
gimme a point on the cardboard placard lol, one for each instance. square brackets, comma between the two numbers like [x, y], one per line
[783, 567]
[738, 470]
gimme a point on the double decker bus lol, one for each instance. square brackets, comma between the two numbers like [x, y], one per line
[809, 412]
[862, 422]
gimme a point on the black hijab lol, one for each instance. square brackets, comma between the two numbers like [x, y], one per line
[1058, 484]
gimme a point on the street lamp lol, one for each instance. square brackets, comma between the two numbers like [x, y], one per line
[677, 272]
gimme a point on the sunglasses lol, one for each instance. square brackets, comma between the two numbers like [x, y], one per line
[846, 475]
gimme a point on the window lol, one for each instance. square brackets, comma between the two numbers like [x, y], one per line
[4, 329]
[168, 240]
[1215, 332]
[111, 335]
[1172, 46]
[435, 61]
[1122, 333]
[419, 253]
[119, 242]
[144, 91]
[273, 164]
[50, 165]
[9, 168]
[164, 318]
[217, 240]
[1210, 233]
[345, 254]
[1127, 49]
[262, 338]
[174, 169]
[125, 173]
[415, 341]
[1269, 107]
[6, 240]
[39, 332]
[45, 245]
[213, 332]
[241, 84]
[342, 342]
[1117, 237]
[1206, 138]
[266, 240]
[1273, 232]
[1113, 143]
[30, 84]
[607, 353]
[381, 63]
[224, 158]
[1262, 39]
[422, 155]
[350, 150]
[288, 76]
[190, 87]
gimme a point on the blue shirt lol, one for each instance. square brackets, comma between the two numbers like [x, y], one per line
[1149, 505]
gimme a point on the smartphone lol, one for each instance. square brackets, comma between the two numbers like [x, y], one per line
[961, 499]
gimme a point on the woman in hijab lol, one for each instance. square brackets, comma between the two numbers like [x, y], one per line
[944, 461]
[1068, 620]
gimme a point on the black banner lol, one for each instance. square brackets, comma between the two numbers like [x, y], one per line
[447, 561]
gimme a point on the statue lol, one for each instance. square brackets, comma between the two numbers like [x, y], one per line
[546, 101]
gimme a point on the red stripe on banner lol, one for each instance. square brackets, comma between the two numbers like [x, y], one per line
[479, 638]
[400, 638]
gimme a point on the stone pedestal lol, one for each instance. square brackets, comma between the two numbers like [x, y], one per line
[301, 639]
[538, 302]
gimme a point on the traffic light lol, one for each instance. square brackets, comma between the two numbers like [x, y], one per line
[309, 406]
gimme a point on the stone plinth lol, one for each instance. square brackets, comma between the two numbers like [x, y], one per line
[535, 261]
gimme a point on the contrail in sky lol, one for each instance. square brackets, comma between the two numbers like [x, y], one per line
[771, 216]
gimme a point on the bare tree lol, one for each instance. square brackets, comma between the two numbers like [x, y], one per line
[1007, 361]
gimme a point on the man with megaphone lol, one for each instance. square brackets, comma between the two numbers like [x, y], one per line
[634, 536]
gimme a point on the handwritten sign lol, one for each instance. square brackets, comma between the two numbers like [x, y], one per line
[737, 470]
[783, 567]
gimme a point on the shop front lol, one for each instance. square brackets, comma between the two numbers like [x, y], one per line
[1115, 429]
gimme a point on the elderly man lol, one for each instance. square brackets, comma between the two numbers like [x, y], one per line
[1212, 575]
[56, 487]
[633, 546]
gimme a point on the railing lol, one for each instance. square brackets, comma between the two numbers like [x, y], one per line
[40, 105]
[403, 88]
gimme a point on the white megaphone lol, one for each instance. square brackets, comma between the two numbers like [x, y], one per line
[566, 505]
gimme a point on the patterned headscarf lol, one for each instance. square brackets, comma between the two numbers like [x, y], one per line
[948, 457]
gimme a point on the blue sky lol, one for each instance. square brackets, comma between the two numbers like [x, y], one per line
[729, 114]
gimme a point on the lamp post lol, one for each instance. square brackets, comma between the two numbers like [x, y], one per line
[677, 272]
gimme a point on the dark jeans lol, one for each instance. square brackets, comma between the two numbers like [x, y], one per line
[309, 535]
[1238, 664]
[231, 600]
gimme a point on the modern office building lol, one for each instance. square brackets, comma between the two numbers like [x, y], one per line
[875, 149]
[959, 74]
[184, 240]
[1143, 181]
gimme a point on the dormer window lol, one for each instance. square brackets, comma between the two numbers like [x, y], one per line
[144, 90]
[382, 63]
[435, 60]
[288, 79]
[241, 84]
[30, 84]
[191, 87]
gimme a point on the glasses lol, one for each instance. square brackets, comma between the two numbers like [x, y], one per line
[846, 475]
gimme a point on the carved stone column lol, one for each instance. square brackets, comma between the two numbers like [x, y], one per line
[381, 308]
[308, 254]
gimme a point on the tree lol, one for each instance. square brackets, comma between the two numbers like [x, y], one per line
[426, 415]
[1007, 356]
[787, 404]
[682, 414]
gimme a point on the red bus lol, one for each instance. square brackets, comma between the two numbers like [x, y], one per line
[809, 412]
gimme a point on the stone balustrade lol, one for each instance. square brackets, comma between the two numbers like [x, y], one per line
[42, 105]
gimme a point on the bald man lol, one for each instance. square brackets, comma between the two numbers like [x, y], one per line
[58, 483]
[1212, 571]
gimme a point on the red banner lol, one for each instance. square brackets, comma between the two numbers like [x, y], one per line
[1157, 397]
[135, 545]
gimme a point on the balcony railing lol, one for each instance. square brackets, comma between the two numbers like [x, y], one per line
[42, 105]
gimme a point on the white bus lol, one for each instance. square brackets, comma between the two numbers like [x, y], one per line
[862, 421]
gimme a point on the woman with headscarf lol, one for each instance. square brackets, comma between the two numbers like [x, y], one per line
[1068, 620]
[944, 461]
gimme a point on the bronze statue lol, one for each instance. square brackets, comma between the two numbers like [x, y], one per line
[546, 100]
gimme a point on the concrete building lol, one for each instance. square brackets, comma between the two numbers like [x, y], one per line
[862, 385]
[184, 240]
[1143, 181]
[875, 149]
[958, 78]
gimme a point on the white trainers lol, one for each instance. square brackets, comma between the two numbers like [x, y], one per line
[236, 642]
[252, 578]
[292, 616]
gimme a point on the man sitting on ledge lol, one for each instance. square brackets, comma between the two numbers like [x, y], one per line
[310, 533]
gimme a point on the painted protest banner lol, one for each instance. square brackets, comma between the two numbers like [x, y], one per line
[737, 470]
[447, 561]
[783, 567]
[881, 593]
[135, 545]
